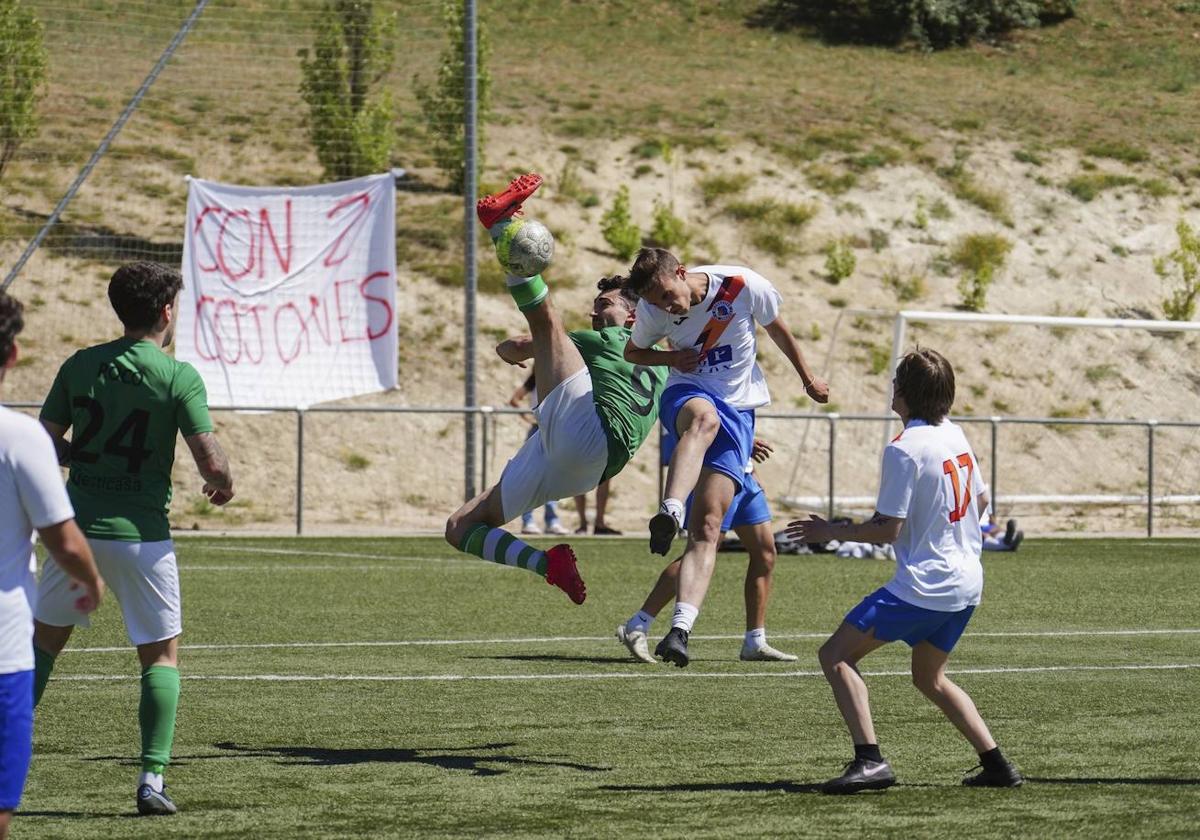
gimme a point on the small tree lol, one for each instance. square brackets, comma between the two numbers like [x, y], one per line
[618, 228]
[443, 105]
[1182, 268]
[352, 52]
[22, 77]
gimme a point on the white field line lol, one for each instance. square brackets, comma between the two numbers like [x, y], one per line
[536, 640]
[645, 673]
[349, 555]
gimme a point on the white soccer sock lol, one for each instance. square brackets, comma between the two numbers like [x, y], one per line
[675, 508]
[685, 616]
[155, 780]
[641, 621]
[756, 638]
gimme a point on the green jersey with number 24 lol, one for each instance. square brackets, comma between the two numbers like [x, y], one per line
[125, 402]
[626, 395]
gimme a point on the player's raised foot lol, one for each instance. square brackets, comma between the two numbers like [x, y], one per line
[151, 802]
[673, 648]
[635, 643]
[765, 653]
[502, 205]
[562, 572]
[663, 528]
[1006, 776]
[861, 774]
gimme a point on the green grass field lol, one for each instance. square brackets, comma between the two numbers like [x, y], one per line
[370, 687]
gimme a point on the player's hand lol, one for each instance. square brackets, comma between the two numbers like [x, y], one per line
[216, 495]
[761, 450]
[818, 390]
[90, 599]
[684, 361]
[811, 530]
[507, 351]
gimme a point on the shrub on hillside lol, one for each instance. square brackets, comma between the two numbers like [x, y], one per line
[618, 228]
[934, 24]
[1181, 268]
[980, 255]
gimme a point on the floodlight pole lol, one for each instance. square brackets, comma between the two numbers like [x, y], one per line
[470, 285]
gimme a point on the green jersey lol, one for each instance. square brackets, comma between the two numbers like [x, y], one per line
[626, 395]
[125, 402]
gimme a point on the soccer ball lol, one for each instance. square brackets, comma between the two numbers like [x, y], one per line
[524, 247]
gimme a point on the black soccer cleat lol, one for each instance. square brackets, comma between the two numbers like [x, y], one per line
[663, 528]
[1007, 776]
[1010, 531]
[154, 802]
[673, 648]
[861, 774]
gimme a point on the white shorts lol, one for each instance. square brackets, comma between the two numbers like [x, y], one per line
[566, 456]
[142, 576]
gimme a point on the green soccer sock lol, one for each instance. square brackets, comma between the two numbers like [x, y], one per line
[43, 664]
[499, 546]
[156, 715]
[527, 292]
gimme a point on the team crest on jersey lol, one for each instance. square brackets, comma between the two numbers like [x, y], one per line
[722, 311]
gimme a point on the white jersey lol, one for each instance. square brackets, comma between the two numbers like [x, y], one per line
[722, 328]
[932, 481]
[32, 495]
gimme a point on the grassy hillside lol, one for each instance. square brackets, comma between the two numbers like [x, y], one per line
[1070, 150]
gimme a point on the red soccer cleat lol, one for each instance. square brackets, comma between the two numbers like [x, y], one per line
[502, 205]
[561, 572]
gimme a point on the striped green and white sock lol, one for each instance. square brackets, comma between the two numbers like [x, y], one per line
[499, 546]
[527, 292]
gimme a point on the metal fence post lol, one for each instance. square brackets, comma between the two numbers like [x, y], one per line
[1150, 424]
[299, 471]
[833, 418]
[488, 429]
[992, 489]
[470, 234]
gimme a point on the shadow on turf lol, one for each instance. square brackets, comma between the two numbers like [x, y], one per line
[557, 657]
[1116, 780]
[447, 758]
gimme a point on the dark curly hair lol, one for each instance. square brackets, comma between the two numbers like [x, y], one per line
[11, 323]
[139, 291]
[617, 281]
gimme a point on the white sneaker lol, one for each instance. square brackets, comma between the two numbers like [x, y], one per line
[531, 528]
[556, 527]
[765, 653]
[635, 641]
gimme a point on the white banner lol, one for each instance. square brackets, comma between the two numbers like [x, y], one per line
[289, 294]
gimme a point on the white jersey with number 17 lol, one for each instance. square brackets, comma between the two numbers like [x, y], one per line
[932, 481]
[721, 327]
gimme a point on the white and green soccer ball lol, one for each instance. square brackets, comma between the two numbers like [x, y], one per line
[524, 247]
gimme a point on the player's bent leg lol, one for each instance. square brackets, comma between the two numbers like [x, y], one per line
[759, 541]
[474, 529]
[839, 658]
[697, 424]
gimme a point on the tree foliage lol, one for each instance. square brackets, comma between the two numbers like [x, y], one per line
[444, 103]
[22, 77]
[933, 24]
[352, 132]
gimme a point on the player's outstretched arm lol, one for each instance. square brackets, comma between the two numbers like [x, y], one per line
[69, 548]
[878, 529]
[213, 465]
[58, 436]
[814, 386]
[684, 361]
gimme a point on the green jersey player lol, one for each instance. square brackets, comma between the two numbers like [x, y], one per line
[125, 402]
[594, 411]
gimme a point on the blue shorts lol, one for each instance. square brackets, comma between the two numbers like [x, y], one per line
[894, 618]
[729, 453]
[16, 736]
[749, 506]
